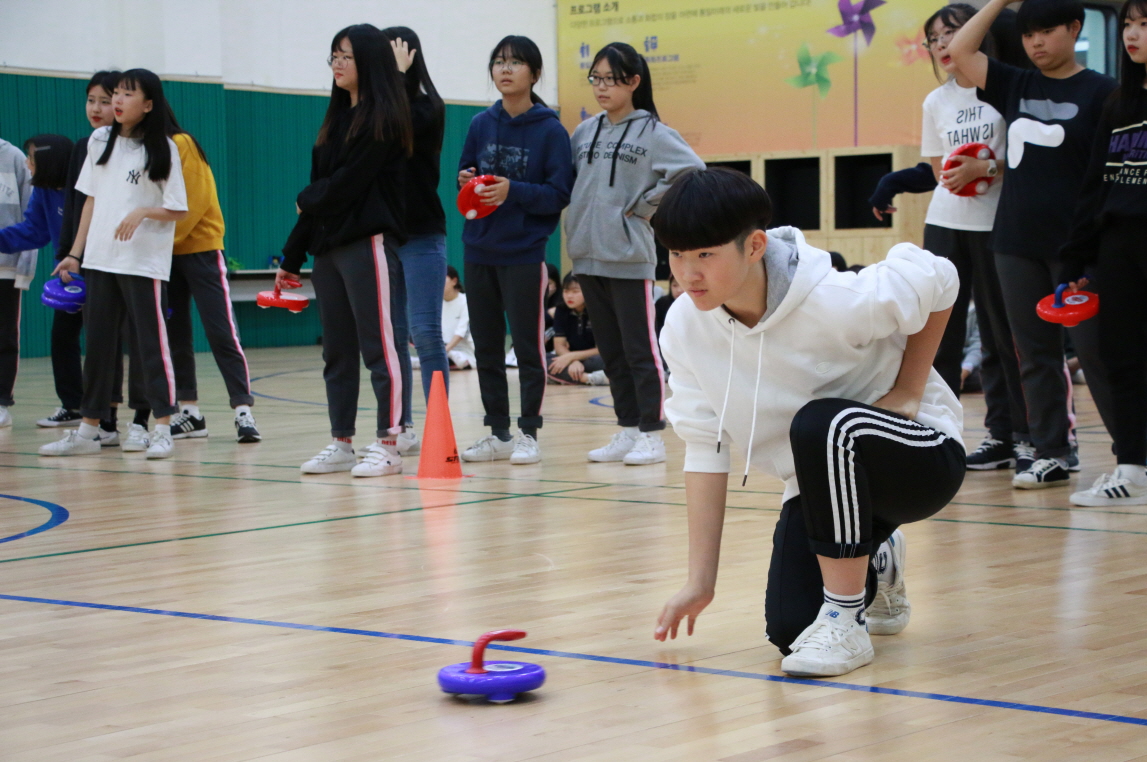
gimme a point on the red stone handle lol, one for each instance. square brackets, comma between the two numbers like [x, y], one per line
[476, 660]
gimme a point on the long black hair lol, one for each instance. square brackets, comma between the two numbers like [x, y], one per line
[105, 79]
[50, 154]
[451, 272]
[625, 63]
[153, 126]
[418, 83]
[955, 16]
[174, 129]
[382, 105]
[525, 50]
[1132, 76]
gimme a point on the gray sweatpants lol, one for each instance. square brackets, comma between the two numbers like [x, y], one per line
[203, 276]
[1039, 344]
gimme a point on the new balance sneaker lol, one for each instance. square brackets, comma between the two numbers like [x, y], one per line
[409, 443]
[5, 417]
[62, 417]
[245, 430]
[834, 644]
[991, 455]
[1025, 456]
[1045, 472]
[109, 438]
[138, 440]
[72, 444]
[489, 448]
[619, 446]
[597, 378]
[889, 613]
[331, 459]
[187, 426]
[378, 461]
[526, 450]
[648, 449]
[161, 446]
[1127, 485]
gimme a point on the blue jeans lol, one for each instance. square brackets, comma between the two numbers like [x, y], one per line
[423, 260]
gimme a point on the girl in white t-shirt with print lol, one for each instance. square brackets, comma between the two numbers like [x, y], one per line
[134, 184]
[958, 227]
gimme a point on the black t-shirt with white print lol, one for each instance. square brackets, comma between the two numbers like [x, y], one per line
[1051, 125]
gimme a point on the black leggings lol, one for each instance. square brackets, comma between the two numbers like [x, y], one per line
[862, 472]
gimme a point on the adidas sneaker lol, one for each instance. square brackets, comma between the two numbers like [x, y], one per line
[187, 426]
[245, 430]
[1126, 485]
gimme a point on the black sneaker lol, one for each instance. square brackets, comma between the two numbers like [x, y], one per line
[990, 455]
[245, 429]
[1045, 472]
[1025, 456]
[1072, 460]
[62, 417]
[186, 426]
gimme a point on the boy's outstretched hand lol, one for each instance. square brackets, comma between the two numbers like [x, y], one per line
[689, 602]
[900, 402]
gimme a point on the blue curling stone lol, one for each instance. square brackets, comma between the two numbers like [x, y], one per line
[502, 682]
[68, 297]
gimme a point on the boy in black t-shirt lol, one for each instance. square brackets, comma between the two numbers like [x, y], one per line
[1052, 114]
[575, 359]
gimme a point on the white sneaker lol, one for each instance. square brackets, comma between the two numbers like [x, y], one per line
[890, 612]
[834, 644]
[409, 443]
[597, 378]
[648, 449]
[489, 448]
[137, 440]
[1127, 485]
[1045, 472]
[332, 458]
[526, 450]
[109, 438]
[161, 446]
[378, 461]
[619, 446]
[5, 417]
[72, 444]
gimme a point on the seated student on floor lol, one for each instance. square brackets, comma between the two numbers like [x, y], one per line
[825, 379]
[575, 359]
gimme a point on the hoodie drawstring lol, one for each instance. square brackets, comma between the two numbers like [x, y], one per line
[753, 428]
[593, 145]
[728, 384]
[616, 151]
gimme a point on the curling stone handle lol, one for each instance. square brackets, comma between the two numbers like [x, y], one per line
[476, 660]
[1059, 294]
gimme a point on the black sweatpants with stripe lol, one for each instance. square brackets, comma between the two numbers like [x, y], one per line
[353, 284]
[10, 300]
[622, 313]
[862, 472]
[112, 298]
[203, 276]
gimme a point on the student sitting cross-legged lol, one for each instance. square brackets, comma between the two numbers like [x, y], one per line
[575, 359]
[824, 379]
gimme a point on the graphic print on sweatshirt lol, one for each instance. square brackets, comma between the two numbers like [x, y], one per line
[630, 153]
[507, 161]
[1131, 167]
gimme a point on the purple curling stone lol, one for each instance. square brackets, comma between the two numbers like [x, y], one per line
[498, 681]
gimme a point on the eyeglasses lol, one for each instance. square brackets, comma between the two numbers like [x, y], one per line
[608, 80]
[512, 65]
[339, 61]
[946, 37]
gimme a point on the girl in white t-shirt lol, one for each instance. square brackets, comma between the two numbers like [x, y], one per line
[134, 184]
[456, 323]
[958, 227]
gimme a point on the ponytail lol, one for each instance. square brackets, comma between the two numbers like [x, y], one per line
[625, 63]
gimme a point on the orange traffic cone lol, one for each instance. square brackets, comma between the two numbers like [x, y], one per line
[439, 458]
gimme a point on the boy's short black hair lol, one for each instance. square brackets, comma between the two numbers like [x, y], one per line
[570, 280]
[711, 207]
[1035, 15]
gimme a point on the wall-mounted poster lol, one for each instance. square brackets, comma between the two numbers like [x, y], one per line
[738, 78]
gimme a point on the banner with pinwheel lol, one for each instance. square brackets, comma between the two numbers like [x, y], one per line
[735, 76]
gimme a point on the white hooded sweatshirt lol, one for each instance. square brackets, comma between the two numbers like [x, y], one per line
[832, 335]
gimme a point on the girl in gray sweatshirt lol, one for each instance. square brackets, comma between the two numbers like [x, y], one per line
[624, 161]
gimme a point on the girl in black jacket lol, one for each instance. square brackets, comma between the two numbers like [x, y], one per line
[351, 221]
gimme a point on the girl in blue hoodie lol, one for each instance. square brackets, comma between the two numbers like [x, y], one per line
[521, 142]
[48, 165]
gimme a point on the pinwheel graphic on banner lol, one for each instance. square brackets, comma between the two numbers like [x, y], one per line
[856, 18]
[814, 71]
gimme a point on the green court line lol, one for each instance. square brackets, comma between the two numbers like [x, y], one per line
[1038, 526]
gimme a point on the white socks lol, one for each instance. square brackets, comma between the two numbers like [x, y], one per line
[847, 605]
[344, 446]
[191, 410]
[240, 409]
[88, 431]
[163, 428]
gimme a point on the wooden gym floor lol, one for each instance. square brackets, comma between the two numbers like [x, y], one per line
[218, 606]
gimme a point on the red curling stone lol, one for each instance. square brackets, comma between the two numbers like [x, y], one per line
[499, 681]
[296, 303]
[470, 203]
[1070, 310]
[979, 186]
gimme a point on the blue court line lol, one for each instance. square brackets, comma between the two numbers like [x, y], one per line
[1118, 718]
[598, 401]
[59, 514]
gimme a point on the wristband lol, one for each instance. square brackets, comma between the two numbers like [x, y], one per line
[73, 256]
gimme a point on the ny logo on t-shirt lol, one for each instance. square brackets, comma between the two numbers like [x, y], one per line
[133, 176]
